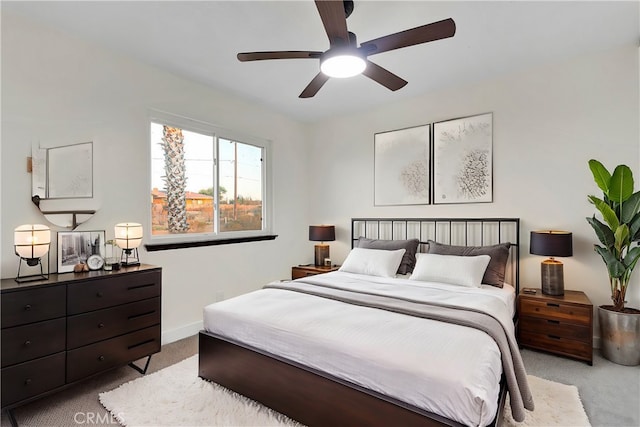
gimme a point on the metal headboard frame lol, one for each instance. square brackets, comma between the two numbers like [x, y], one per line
[469, 232]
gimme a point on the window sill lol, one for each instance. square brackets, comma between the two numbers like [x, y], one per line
[153, 247]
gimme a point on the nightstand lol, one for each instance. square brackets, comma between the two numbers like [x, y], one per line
[300, 271]
[557, 324]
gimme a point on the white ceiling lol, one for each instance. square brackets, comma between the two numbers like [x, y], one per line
[199, 40]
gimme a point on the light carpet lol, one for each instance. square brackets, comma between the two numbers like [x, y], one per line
[176, 396]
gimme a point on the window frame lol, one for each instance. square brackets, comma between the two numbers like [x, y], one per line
[216, 237]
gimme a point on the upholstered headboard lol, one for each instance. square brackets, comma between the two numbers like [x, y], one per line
[451, 231]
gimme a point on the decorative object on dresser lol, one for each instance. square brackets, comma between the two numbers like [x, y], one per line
[75, 247]
[321, 233]
[462, 160]
[401, 166]
[59, 331]
[551, 243]
[300, 271]
[557, 324]
[129, 237]
[31, 243]
[619, 235]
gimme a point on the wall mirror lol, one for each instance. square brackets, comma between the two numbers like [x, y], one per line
[60, 175]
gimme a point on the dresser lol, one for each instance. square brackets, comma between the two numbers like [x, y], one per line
[59, 331]
[557, 324]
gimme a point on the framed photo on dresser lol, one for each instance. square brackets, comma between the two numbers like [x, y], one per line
[74, 247]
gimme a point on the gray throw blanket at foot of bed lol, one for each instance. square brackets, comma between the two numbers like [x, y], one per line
[512, 365]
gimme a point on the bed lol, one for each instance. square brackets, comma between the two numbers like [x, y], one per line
[306, 349]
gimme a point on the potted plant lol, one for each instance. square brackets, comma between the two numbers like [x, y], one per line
[619, 234]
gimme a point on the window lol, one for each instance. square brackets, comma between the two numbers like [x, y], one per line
[206, 183]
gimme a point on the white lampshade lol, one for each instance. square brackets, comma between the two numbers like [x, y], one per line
[32, 241]
[128, 235]
[342, 64]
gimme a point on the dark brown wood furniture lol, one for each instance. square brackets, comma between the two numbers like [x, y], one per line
[300, 271]
[317, 398]
[557, 324]
[59, 331]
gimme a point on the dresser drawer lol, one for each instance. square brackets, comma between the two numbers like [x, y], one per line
[27, 342]
[556, 310]
[118, 351]
[33, 305]
[548, 342]
[29, 379]
[115, 290]
[83, 329]
[556, 328]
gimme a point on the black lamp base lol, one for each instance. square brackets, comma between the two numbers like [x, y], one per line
[552, 277]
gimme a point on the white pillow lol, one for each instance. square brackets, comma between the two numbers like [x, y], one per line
[451, 269]
[373, 262]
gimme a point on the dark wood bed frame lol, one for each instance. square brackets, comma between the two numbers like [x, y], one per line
[316, 398]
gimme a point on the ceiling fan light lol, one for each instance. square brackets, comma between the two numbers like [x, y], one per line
[343, 65]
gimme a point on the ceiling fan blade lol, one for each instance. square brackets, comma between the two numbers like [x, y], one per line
[312, 88]
[334, 20]
[278, 54]
[423, 34]
[383, 76]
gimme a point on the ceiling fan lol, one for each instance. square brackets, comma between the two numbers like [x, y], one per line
[344, 58]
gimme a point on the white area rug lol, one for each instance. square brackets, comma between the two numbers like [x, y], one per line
[176, 396]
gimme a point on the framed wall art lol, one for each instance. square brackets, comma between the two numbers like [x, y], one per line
[463, 160]
[74, 247]
[401, 166]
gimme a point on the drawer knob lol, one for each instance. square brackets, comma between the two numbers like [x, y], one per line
[27, 343]
[100, 325]
[27, 381]
[27, 307]
[101, 358]
[99, 294]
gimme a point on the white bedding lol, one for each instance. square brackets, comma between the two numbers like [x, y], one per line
[450, 370]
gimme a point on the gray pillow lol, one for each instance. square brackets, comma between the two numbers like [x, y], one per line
[410, 246]
[494, 275]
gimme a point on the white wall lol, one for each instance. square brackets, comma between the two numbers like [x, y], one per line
[547, 124]
[59, 90]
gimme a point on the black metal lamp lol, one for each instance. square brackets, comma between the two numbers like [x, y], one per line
[31, 243]
[551, 243]
[322, 233]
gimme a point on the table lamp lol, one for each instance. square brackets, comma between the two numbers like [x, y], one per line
[321, 233]
[129, 237]
[551, 243]
[31, 242]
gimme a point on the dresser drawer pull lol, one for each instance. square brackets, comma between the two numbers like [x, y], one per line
[554, 337]
[99, 294]
[555, 322]
[27, 381]
[553, 304]
[101, 358]
[135, 316]
[130, 288]
[100, 325]
[27, 307]
[27, 343]
[140, 343]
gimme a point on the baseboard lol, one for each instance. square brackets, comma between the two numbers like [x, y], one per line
[176, 334]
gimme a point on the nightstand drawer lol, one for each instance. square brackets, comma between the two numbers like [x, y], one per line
[29, 379]
[98, 325]
[110, 291]
[556, 328]
[20, 308]
[29, 342]
[556, 310]
[548, 342]
[94, 358]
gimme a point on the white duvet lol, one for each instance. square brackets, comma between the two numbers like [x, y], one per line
[450, 370]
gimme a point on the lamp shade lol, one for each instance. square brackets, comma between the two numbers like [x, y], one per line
[32, 240]
[322, 233]
[128, 235]
[551, 243]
